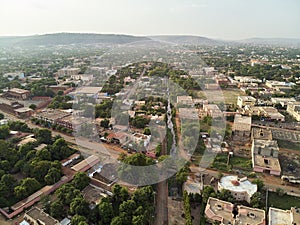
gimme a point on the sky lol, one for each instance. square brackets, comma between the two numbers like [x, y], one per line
[220, 19]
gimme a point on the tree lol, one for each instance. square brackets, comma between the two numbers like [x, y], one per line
[52, 176]
[80, 180]
[79, 206]
[106, 212]
[44, 136]
[67, 193]
[117, 221]
[208, 191]
[77, 219]
[139, 220]
[4, 131]
[256, 200]
[260, 184]
[1, 116]
[33, 106]
[57, 209]
[127, 210]
[104, 123]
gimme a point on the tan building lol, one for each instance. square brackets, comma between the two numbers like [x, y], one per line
[241, 189]
[265, 157]
[263, 134]
[184, 100]
[18, 93]
[267, 112]
[68, 72]
[36, 216]
[284, 217]
[212, 110]
[294, 110]
[245, 101]
[242, 125]
[222, 211]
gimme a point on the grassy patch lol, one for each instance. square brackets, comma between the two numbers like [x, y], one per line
[241, 163]
[283, 202]
[235, 162]
[289, 145]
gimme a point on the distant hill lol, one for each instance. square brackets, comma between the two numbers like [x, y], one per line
[68, 39]
[186, 39]
[272, 41]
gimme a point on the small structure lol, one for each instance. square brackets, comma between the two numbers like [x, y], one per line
[18, 93]
[223, 212]
[263, 134]
[36, 216]
[70, 159]
[241, 189]
[242, 125]
[243, 101]
[280, 216]
[184, 100]
[86, 164]
[265, 156]
[294, 110]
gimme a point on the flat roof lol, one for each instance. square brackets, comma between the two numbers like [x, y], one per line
[90, 162]
[247, 98]
[19, 91]
[233, 183]
[279, 216]
[273, 163]
[219, 209]
[253, 216]
[39, 214]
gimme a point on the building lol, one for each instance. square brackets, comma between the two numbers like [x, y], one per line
[83, 77]
[188, 113]
[212, 110]
[294, 110]
[225, 213]
[184, 100]
[87, 91]
[263, 134]
[250, 216]
[265, 157]
[243, 101]
[267, 112]
[70, 159]
[51, 116]
[282, 217]
[241, 189]
[68, 72]
[86, 164]
[282, 101]
[212, 86]
[242, 125]
[18, 93]
[36, 216]
[218, 210]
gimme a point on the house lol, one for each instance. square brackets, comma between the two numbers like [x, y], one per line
[242, 125]
[51, 116]
[243, 101]
[265, 157]
[223, 212]
[83, 77]
[184, 100]
[267, 112]
[282, 101]
[70, 159]
[118, 137]
[241, 189]
[280, 216]
[212, 110]
[18, 93]
[68, 72]
[188, 113]
[213, 86]
[263, 134]
[86, 164]
[36, 216]
[293, 109]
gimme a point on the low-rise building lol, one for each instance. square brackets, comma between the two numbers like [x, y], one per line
[265, 156]
[282, 217]
[18, 93]
[223, 212]
[263, 134]
[243, 101]
[212, 110]
[242, 125]
[241, 189]
[294, 110]
[36, 216]
[68, 72]
[282, 101]
[184, 100]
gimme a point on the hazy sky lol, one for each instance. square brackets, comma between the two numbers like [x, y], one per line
[223, 19]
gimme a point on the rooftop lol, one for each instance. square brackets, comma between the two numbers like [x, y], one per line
[279, 216]
[247, 98]
[19, 91]
[39, 215]
[259, 133]
[247, 215]
[87, 163]
[219, 210]
[233, 183]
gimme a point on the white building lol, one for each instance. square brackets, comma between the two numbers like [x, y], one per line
[241, 189]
